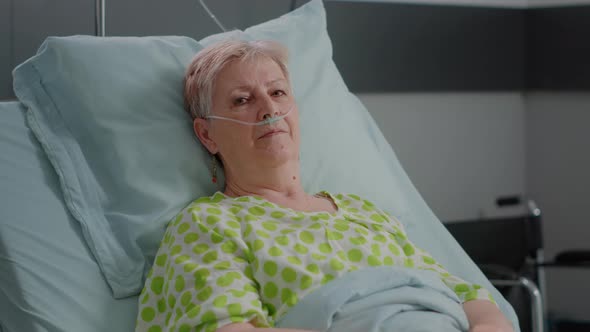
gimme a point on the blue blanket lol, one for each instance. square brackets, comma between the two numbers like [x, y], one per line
[378, 300]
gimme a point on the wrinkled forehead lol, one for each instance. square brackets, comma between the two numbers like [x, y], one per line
[251, 71]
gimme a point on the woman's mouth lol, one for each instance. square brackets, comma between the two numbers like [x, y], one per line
[271, 133]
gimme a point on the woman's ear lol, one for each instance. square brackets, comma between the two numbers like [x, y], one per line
[201, 128]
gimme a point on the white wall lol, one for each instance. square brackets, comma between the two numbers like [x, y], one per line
[558, 177]
[461, 150]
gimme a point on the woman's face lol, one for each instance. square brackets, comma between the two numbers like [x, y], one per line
[250, 91]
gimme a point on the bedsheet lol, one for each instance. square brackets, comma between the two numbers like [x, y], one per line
[380, 299]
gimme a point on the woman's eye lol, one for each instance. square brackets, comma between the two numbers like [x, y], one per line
[278, 93]
[240, 101]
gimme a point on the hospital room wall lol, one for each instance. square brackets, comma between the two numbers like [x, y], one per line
[558, 160]
[24, 25]
[461, 150]
[558, 144]
[5, 50]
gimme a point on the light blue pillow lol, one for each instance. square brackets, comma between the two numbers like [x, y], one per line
[108, 112]
[49, 280]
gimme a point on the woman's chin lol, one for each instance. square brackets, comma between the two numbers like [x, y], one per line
[275, 156]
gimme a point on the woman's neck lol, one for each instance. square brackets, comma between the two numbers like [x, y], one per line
[277, 184]
[281, 186]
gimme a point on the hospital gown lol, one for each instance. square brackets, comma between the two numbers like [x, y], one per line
[245, 259]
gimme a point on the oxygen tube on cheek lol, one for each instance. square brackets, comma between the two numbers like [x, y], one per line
[267, 121]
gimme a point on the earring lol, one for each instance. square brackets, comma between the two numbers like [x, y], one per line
[213, 169]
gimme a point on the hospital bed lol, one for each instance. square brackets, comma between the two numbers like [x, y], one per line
[97, 155]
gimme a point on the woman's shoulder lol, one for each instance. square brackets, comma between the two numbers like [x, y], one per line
[215, 203]
[216, 198]
[215, 212]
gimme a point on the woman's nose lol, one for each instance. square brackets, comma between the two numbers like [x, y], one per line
[268, 108]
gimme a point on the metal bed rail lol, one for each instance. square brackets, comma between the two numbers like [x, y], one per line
[537, 308]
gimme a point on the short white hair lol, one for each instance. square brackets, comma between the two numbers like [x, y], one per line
[201, 74]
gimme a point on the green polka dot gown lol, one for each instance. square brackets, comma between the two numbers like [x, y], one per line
[243, 259]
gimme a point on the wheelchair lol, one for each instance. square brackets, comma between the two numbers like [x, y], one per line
[516, 264]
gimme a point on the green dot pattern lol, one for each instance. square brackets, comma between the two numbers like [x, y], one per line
[225, 260]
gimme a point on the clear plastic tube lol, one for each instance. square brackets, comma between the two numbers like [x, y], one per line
[265, 122]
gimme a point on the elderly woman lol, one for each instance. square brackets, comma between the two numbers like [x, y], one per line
[239, 259]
